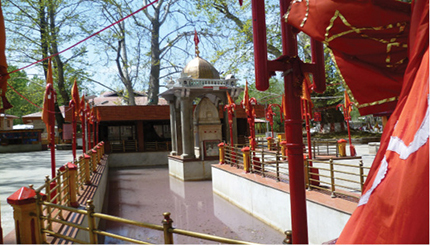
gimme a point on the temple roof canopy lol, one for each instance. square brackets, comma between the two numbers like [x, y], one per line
[199, 68]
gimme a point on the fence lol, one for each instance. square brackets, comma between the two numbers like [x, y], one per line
[166, 229]
[326, 148]
[56, 213]
[336, 178]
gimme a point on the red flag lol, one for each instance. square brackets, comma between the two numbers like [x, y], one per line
[394, 207]
[240, 2]
[45, 110]
[245, 101]
[3, 66]
[349, 28]
[75, 97]
[196, 38]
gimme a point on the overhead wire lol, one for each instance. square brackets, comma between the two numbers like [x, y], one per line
[74, 45]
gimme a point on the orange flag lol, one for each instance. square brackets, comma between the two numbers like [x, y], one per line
[305, 88]
[99, 118]
[75, 97]
[394, 206]
[45, 110]
[230, 100]
[245, 101]
[284, 106]
[347, 103]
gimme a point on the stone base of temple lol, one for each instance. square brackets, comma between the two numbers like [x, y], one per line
[190, 169]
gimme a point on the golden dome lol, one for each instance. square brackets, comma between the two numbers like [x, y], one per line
[199, 68]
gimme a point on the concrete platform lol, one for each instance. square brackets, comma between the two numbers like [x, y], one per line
[192, 169]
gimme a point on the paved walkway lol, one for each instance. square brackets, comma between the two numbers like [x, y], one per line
[21, 169]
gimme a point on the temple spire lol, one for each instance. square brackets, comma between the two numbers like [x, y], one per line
[196, 42]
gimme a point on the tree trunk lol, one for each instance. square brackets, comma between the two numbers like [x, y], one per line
[154, 78]
[122, 65]
[43, 35]
[57, 60]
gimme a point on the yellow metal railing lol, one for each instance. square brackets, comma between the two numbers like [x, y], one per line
[54, 212]
[339, 178]
[167, 229]
[335, 177]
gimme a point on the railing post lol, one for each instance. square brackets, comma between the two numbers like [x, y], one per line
[27, 229]
[288, 237]
[167, 225]
[60, 184]
[99, 152]
[269, 143]
[91, 222]
[221, 153]
[48, 199]
[277, 164]
[284, 150]
[94, 160]
[332, 178]
[262, 163]
[40, 197]
[102, 145]
[307, 173]
[246, 162]
[361, 175]
[72, 169]
[87, 169]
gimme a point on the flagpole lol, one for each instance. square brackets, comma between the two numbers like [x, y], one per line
[72, 105]
[83, 120]
[293, 135]
[51, 99]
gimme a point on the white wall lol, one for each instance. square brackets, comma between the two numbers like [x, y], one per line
[272, 206]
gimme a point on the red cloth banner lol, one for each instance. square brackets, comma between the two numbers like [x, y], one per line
[369, 42]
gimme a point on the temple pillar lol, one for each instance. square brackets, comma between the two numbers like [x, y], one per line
[173, 128]
[187, 130]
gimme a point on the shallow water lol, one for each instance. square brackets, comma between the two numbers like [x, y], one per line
[145, 194]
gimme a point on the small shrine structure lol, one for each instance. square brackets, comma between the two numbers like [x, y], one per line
[196, 127]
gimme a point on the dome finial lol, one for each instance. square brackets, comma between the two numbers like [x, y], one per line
[196, 42]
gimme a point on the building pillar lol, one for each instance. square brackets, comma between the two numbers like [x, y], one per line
[173, 133]
[140, 136]
[187, 130]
